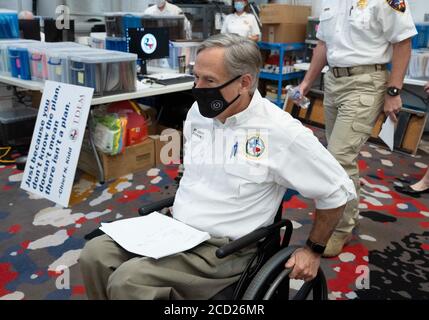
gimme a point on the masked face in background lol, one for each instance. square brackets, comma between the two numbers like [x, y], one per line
[239, 6]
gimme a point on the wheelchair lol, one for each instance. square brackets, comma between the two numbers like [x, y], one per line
[265, 277]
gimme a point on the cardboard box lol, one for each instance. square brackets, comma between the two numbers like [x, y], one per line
[284, 32]
[163, 137]
[283, 13]
[135, 158]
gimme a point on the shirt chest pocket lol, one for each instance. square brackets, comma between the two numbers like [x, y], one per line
[359, 20]
[245, 173]
[195, 157]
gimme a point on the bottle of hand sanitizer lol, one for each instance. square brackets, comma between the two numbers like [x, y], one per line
[294, 94]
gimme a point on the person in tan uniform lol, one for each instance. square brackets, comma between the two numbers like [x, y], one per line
[357, 39]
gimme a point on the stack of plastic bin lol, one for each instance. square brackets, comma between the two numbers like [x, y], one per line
[175, 25]
[9, 27]
[4, 53]
[39, 60]
[107, 72]
[186, 48]
[58, 61]
[117, 24]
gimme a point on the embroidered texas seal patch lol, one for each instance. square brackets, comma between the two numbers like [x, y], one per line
[398, 5]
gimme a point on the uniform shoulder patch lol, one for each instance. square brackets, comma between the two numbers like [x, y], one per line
[398, 5]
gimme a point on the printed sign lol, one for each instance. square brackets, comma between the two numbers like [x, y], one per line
[56, 142]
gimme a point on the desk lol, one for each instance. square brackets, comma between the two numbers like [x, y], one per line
[25, 84]
[141, 92]
[153, 90]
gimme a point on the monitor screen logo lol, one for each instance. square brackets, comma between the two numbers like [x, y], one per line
[149, 43]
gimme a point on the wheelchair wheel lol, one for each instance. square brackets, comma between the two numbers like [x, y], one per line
[272, 281]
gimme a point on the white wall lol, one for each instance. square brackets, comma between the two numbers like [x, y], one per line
[418, 7]
[16, 5]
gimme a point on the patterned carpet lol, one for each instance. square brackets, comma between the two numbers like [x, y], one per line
[38, 240]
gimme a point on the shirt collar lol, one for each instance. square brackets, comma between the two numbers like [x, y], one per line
[241, 15]
[244, 115]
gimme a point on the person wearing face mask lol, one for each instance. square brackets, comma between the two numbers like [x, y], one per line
[241, 154]
[242, 23]
[164, 8]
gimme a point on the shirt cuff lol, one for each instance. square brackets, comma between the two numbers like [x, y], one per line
[404, 36]
[340, 197]
[319, 36]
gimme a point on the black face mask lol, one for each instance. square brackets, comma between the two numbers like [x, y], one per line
[211, 101]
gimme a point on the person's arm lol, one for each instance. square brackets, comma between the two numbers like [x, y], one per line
[303, 164]
[304, 261]
[400, 60]
[254, 29]
[318, 62]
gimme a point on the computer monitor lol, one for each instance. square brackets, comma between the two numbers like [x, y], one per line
[29, 29]
[148, 44]
[52, 34]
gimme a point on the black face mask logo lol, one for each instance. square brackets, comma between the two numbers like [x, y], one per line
[211, 102]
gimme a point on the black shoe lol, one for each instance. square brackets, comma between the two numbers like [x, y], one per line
[410, 191]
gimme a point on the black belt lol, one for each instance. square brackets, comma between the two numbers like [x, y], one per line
[339, 72]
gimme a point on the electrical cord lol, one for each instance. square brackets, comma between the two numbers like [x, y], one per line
[8, 149]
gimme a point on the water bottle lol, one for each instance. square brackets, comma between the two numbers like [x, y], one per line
[294, 94]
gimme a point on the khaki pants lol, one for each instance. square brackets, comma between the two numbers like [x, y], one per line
[352, 105]
[110, 272]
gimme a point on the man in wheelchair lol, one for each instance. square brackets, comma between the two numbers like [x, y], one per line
[241, 154]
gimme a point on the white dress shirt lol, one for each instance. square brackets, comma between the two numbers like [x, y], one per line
[237, 173]
[170, 10]
[244, 25]
[361, 32]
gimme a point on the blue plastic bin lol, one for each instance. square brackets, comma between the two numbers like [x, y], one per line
[422, 38]
[20, 63]
[116, 44]
[117, 23]
[9, 27]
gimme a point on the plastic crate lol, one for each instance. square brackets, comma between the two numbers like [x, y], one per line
[185, 48]
[107, 72]
[116, 44]
[39, 57]
[9, 26]
[58, 62]
[421, 39]
[16, 122]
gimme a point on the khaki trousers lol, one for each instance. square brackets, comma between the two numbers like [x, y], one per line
[352, 105]
[110, 272]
